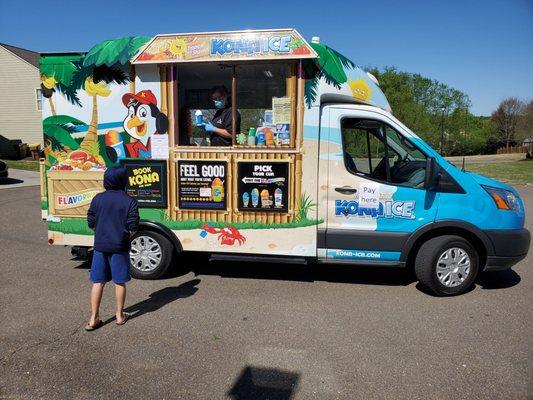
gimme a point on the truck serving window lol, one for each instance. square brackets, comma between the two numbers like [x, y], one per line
[237, 105]
[379, 152]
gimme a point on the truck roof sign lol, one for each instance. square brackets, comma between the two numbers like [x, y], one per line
[221, 46]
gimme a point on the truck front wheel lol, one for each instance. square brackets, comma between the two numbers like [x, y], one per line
[447, 265]
[150, 255]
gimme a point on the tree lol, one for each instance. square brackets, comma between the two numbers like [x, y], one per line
[418, 101]
[506, 118]
[524, 127]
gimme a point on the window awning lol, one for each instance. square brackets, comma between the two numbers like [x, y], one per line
[277, 44]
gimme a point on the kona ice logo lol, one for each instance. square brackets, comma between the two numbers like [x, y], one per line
[266, 44]
[386, 209]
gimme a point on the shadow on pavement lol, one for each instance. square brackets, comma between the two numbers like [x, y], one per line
[162, 297]
[306, 273]
[10, 181]
[498, 279]
[365, 275]
[259, 383]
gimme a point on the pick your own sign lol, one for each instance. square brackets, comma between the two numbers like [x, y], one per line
[202, 184]
[263, 186]
[147, 182]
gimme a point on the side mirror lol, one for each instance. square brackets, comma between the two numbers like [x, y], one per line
[431, 178]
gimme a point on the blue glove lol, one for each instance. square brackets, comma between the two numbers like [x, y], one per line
[208, 127]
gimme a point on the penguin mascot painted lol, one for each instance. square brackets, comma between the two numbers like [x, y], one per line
[143, 120]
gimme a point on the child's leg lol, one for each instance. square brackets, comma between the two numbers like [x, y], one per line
[120, 293]
[96, 297]
[120, 264]
[99, 275]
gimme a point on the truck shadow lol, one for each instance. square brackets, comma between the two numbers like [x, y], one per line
[303, 273]
[498, 279]
[365, 275]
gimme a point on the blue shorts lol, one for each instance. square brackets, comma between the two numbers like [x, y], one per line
[107, 266]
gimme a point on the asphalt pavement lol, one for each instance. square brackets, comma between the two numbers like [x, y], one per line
[250, 331]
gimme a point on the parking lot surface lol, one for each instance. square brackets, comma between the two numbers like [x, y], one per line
[254, 331]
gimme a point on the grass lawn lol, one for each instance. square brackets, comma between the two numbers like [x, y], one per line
[516, 172]
[28, 165]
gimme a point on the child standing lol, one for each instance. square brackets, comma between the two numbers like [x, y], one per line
[114, 217]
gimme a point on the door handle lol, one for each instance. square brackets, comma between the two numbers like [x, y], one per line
[346, 190]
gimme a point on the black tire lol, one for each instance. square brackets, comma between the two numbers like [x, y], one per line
[150, 241]
[426, 265]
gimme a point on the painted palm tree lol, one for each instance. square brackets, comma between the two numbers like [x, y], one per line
[330, 65]
[58, 130]
[105, 63]
[56, 75]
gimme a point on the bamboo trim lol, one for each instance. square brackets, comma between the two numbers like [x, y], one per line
[249, 150]
[170, 98]
[42, 179]
[300, 108]
[163, 83]
[233, 106]
[292, 92]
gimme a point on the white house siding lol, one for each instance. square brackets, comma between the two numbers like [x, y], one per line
[20, 120]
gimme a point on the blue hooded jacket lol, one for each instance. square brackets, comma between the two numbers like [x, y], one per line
[113, 214]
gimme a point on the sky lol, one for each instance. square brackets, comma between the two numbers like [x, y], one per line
[483, 48]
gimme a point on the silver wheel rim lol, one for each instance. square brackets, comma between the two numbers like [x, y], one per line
[453, 267]
[145, 253]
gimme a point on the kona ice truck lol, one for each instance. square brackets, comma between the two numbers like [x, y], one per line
[316, 167]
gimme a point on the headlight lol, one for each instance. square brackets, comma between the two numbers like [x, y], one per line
[504, 199]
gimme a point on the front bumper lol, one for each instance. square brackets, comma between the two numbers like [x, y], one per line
[510, 247]
[4, 173]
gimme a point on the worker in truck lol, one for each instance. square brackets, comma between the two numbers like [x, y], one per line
[221, 126]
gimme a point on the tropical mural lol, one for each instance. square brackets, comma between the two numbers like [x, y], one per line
[81, 141]
[334, 69]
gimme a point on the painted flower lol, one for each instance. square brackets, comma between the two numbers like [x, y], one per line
[360, 89]
[178, 47]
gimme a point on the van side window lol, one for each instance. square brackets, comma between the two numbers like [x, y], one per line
[379, 152]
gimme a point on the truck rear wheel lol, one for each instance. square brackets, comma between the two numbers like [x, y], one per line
[447, 265]
[150, 255]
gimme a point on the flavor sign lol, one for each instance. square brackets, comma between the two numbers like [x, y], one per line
[263, 186]
[147, 182]
[74, 200]
[202, 184]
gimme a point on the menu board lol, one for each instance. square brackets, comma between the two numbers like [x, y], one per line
[147, 182]
[263, 186]
[202, 184]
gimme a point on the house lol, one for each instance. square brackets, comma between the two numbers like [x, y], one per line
[20, 100]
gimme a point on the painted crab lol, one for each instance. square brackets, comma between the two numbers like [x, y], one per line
[227, 235]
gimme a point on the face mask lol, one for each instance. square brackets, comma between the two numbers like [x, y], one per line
[219, 103]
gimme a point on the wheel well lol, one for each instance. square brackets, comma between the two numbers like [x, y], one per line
[472, 238]
[162, 230]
